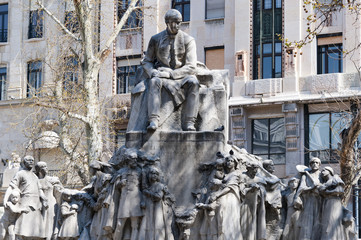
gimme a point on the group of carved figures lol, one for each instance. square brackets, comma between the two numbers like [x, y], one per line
[128, 199]
[255, 204]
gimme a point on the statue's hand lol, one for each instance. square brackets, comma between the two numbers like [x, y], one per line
[45, 204]
[165, 69]
[163, 75]
[26, 210]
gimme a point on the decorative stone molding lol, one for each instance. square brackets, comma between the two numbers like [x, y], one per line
[334, 82]
[291, 125]
[238, 125]
[264, 86]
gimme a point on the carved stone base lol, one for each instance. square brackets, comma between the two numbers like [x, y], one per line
[180, 153]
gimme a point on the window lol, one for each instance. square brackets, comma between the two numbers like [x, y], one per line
[135, 19]
[267, 48]
[34, 78]
[214, 57]
[214, 9]
[71, 21]
[2, 82]
[183, 6]
[3, 23]
[70, 73]
[36, 24]
[329, 59]
[268, 139]
[126, 79]
[323, 134]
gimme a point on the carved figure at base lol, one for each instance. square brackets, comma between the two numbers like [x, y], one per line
[273, 202]
[52, 189]
[308, 199]
[170, 63]
[253, 212]
[69, 229]
[157, 219]
[211, 227]
[11, 213]
[229, 200]
[290, 216]
[332, 209]
[128, 182]
[32, 197]
[99, 189]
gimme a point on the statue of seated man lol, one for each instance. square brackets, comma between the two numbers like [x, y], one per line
[170, 63]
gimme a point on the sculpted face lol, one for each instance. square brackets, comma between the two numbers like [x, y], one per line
[230, 163]
[293, 184]
[173, 25]
[44, 170]
[252, 171]
[28, 162]
[325, 174]
[15, 198]
[315, 165]
[270, 167]
[154, 176]
[132, 162]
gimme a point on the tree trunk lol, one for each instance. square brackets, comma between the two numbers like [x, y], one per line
[348, 163]
[93, 127]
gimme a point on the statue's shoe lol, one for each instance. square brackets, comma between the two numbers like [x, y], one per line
[190, 127]
[152, 126]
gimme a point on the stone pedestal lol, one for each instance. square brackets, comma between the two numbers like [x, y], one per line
[180, 154]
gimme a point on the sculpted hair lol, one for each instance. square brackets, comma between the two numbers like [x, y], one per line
[172, 14]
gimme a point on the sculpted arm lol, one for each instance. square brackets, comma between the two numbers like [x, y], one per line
[149, 59]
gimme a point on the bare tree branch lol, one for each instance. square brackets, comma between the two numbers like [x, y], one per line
[64, 110]
[61, 25]
[103, 53]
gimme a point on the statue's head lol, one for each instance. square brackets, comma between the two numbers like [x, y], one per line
[252, 168]
[41, 169]
[327, 172]
[315, 163]
[14, 196]
[293, 183]
[131, 157]
[173, 19]
[231, 162]
[28, 162]
[154, 174]
[268, 165]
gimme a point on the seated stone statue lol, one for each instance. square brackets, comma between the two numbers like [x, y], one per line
[170, 63]
[173, 90]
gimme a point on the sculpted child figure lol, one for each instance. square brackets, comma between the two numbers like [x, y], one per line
[211, 227]
[11, 213]
[69, 229]
[229, 200]
[128, 183]
[158, 211]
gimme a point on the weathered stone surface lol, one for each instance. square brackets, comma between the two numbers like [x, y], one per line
[180, 154]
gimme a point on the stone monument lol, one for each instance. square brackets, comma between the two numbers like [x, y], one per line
[176, 178]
